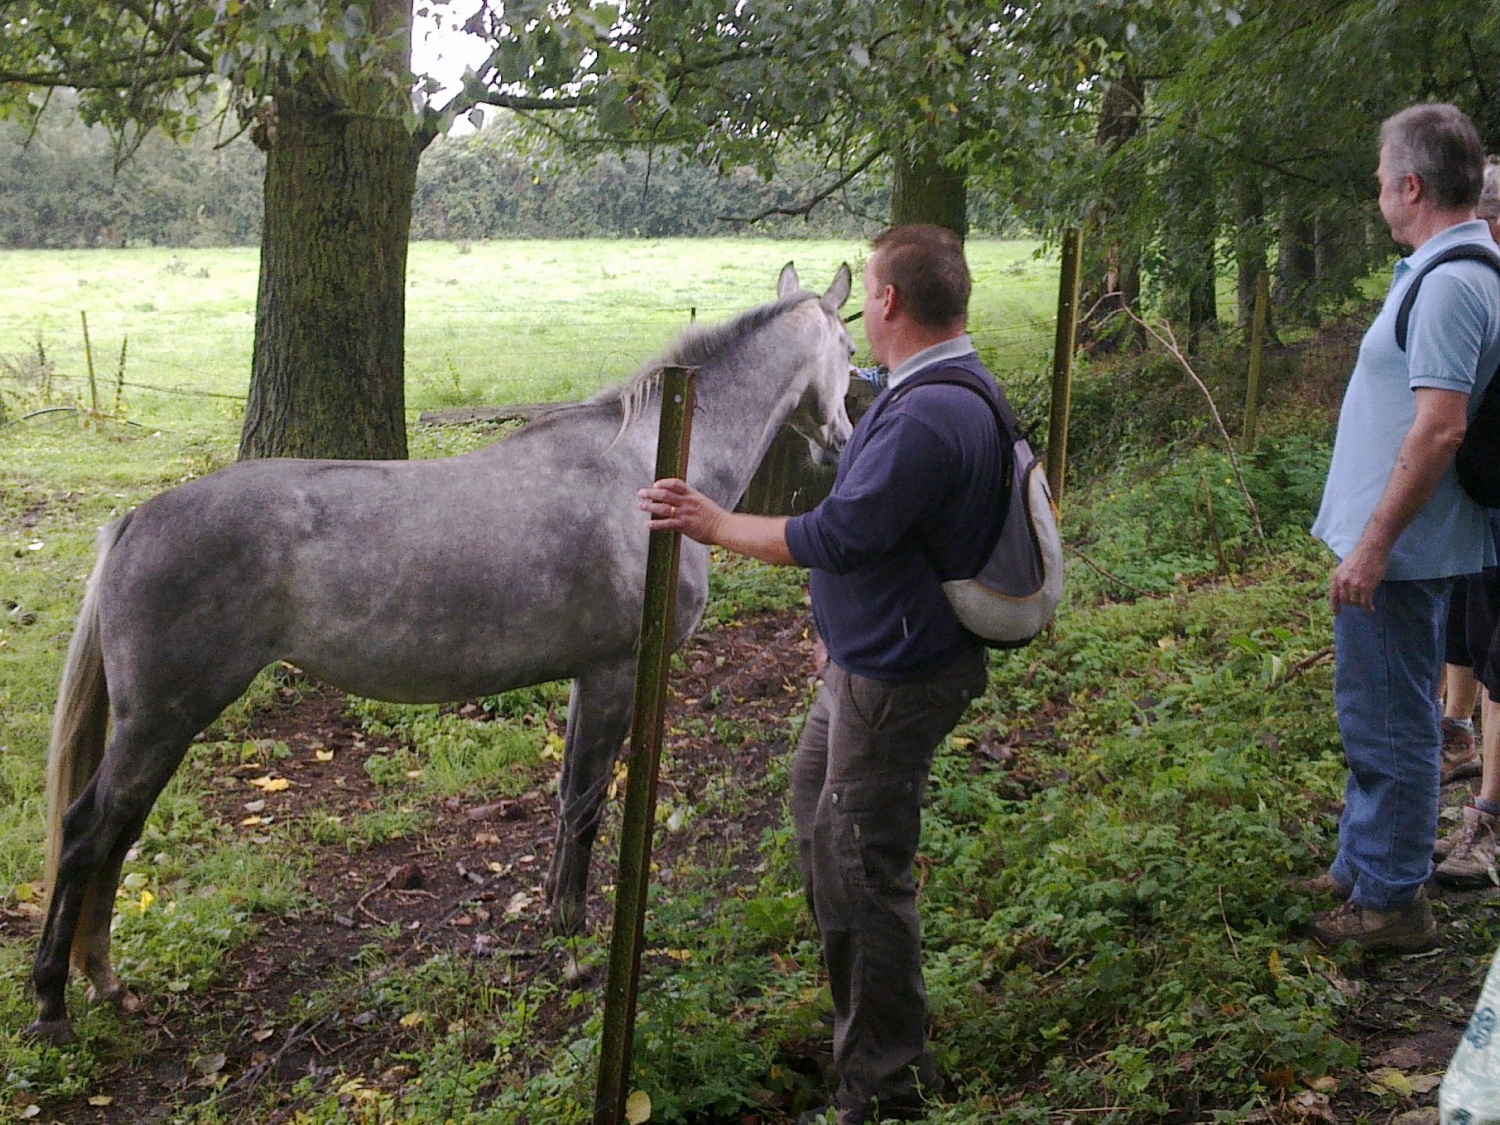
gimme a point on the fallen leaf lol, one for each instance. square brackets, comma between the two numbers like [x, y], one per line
[518, 902]
[31, 1111]
[101, 1100]
[1390, 1080]
[1425, 1083]
[638, 1107]
[269, 784]
[24, 892]
[413, 1019]
[210, 1064]
[255, 806]
[1426, 1116]
[177, 986]
[261, 1035]
[252, 821]
[1327, 1084]
[484, 839]
[323, 755]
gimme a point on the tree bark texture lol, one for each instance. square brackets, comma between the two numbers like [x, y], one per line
[1297, 265]
[924, 191]
[1112, 278]
[1250, 247]
[328, 371]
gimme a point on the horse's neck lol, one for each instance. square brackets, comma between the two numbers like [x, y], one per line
[739, 413]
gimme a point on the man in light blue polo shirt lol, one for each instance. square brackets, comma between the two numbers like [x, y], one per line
[1401, 526]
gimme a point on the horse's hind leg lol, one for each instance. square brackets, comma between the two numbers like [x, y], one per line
[98, 829]
[598, 720]
[90, 955]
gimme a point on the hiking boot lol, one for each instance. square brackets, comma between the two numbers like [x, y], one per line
[1407, 929]
[1471, 861]
[1324, 884]
[1459, 758]
[1443, 847]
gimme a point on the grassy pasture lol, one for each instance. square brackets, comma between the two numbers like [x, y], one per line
[488, 322]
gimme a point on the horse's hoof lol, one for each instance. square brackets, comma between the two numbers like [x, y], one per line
[127, 1003]
[57, 1032]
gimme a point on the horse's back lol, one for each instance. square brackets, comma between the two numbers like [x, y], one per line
[418, 580]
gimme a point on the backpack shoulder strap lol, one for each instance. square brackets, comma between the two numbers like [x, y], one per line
[1468, 252]
[958, 375]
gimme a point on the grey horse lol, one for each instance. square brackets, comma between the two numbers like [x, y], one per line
[410, 581]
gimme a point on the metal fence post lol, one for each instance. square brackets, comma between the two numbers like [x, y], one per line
[1062, 361]
[645, 762]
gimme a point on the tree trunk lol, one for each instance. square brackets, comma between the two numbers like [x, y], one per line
[1250, 248]
[924, 191]
[1113, 278]
[1297, 272]
[328, 373]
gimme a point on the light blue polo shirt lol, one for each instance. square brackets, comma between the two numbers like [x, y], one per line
[1453, 334]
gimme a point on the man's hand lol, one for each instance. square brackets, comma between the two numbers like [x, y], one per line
[1354, 580]
[675, 505]
[1425, 454]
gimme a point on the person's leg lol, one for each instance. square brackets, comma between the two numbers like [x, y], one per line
[866, 830]
[1470, 853]
[809, 768]
[1460, 689]
[1386, 663]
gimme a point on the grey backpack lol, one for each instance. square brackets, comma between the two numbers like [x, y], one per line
[1017, 590]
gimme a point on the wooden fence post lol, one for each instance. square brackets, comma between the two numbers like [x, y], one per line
[88, 351]
[1062, 361]
[645, 761]
[1257, 346]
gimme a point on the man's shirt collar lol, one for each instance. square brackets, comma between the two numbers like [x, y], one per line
[1469, 230]
[955, 348]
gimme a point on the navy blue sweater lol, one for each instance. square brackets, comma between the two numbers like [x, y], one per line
[915, 502]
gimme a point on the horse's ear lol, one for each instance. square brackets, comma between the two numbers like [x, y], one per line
[838, 292]
[788, 283]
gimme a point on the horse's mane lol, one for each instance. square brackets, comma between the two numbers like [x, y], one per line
[694, 348]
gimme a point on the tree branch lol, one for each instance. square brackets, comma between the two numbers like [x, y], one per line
[805, 208]
[1168, 341]
[169, 36]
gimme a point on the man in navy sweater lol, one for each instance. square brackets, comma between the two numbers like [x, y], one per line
[919, 499]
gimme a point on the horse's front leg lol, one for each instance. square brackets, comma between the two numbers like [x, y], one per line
[598, 721]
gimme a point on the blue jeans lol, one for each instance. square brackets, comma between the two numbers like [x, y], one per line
[1386, 668]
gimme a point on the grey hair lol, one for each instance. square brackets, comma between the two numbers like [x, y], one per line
[1438, 144]
[1489, 195]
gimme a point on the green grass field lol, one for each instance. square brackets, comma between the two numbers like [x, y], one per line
[487, 323]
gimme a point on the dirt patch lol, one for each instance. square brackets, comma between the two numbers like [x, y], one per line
[469, 884]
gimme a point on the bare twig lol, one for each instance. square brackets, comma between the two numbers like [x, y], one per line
[1097, 569]
[1168, 341]
[1323, 654]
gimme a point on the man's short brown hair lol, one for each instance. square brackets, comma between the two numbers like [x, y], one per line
[925, 265]
[1438, 144]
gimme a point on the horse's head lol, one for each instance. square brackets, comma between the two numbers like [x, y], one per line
[820, 416]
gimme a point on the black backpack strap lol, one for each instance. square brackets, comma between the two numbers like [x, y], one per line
[1468, 252]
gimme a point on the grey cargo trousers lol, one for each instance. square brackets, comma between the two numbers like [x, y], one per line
[858, 778]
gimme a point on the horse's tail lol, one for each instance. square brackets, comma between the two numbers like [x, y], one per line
[82, 715]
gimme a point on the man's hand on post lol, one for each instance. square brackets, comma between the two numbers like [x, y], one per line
[675, 505]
